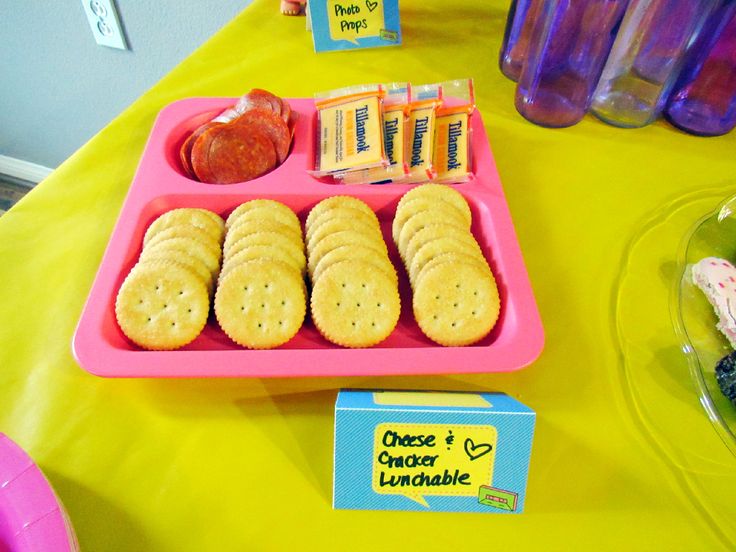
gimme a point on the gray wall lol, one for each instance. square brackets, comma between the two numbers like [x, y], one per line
[58, 87]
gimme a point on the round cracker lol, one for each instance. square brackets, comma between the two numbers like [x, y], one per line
[189, 261]
[336, 202]
[343, 212]
[260, 304]
[355, 305]
[410, 208]
[439, 191]
[421, 220]
[256, 252]
[433, 232]
[162, 305]
[210, 258]
[459, 256]
[436, 247]
[217, 219]
[346, 237]
[185, 231]
[356, 252]
[339, 224]
[456, 303]
[270, 238]
[246, 227]
[184, 215]
[264, 209]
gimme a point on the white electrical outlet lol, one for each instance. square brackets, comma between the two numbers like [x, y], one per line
[104, 22]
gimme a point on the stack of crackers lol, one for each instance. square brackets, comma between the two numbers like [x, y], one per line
[455, 298]
[261, 297]
[164, 301]
[355, 294]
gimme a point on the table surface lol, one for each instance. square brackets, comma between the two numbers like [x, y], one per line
[623, 456]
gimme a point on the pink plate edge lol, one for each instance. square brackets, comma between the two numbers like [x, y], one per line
[32, 511]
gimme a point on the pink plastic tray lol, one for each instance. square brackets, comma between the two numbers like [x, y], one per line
[31, 516]
[159, 185]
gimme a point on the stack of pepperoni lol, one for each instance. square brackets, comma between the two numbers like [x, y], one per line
[242, 143]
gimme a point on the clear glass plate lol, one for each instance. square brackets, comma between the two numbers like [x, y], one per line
[714, 235]
[653, 386]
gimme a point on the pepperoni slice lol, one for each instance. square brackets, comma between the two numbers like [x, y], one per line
[215, 155]
[286, 112]
[270, 124]
[258, 99]
[185, 153]
[199, 157]
[258, 95]
[263, 99]
[231, 153]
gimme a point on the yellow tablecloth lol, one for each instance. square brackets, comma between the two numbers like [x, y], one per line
[624, 456]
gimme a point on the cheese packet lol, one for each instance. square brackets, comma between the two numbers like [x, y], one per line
[451, 158]
[395, 112]
[420, 133]
[349, 127]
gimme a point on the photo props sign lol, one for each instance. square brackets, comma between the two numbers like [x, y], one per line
[350, 24]
[448, 452]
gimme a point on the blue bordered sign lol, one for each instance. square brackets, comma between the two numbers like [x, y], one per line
[350, 24]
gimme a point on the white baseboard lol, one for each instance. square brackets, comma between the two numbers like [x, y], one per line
[24, 170]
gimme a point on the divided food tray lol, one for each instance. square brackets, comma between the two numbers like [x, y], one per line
[160, 184]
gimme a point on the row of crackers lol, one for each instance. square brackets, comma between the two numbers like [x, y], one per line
[253, 266]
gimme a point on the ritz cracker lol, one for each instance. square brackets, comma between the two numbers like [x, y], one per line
[436, 451]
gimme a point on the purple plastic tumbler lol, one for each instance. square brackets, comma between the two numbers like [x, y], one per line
[516, 38]
[570, 41]
[655, 38]
[705, 99]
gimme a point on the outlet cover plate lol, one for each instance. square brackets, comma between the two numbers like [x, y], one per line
[105, 24]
